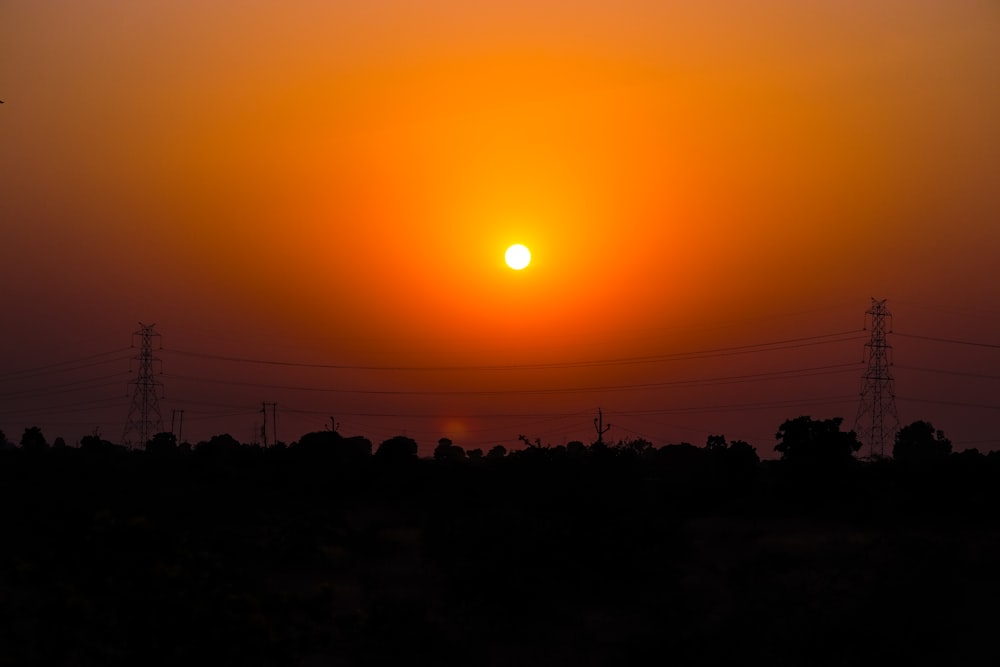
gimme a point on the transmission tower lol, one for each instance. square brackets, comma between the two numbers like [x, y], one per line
[144, 419]
[877, 420]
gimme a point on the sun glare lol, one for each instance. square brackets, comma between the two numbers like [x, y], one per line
[517, 256]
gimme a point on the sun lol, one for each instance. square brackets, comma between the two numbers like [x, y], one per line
[517, 256]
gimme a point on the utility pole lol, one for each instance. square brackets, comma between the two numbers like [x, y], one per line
[877, 420]
[144, 420]
[600, 427]
[180, 428]
[263, 429]
[274, 421]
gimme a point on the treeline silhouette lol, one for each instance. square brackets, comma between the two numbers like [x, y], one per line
[332, 551]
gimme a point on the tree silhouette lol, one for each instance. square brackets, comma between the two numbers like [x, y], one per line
[920, 443]
[93, 442]
[331, 447]
[537, 444]
[397, 449]
[219, 445]
[742, 454]
[496, 453]
[636, 447]
[33, 440]
[736, 455]
[162, 443]
[446, 451]
[715, 443]
[804, 440]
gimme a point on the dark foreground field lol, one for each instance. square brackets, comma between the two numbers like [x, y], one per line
[267, 558]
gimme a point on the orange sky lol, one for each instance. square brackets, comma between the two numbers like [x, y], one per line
[335, 183]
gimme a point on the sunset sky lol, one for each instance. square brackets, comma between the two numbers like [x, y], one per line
[712, 193]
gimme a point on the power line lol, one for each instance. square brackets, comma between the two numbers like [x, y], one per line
[973, 311]
[65, 407]
[739, 407]
[61, 388]
[788, 343]
[64, 366]
[645, 413]
[205, 416]
[940, 371]
[961, 404]
[938, 339]
[732, 379]
[438, 415]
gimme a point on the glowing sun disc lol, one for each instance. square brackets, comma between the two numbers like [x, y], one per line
[517, 256]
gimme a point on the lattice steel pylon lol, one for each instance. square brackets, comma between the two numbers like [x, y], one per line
[877, 420]
[144, 420]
